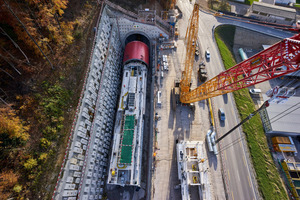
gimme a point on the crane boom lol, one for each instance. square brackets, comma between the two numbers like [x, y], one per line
[279, 59]
[191, 38]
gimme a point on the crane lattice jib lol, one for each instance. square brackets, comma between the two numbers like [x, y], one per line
[279, 59]
[191, 39]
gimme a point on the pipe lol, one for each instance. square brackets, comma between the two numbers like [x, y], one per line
[208, 140]
[243, 54]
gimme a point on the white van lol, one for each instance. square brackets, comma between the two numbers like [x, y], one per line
[165, 58]
[255, 91]
[159, 97]
[166, 66]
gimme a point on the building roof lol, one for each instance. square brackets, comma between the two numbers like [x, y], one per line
[289, 13]
[285, 117]
[136, 50]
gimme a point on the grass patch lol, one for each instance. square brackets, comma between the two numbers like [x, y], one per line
[269, 182]
[297, 5]
[250, 2]
[219, 5]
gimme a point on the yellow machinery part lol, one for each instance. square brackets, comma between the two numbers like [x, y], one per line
[123, 167]
[122, 102]
[211, 113]
[207, 90]
[195, 180]
[191, 39]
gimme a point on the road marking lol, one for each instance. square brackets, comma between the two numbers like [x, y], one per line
[228, 175]
[225, 155]
[249, 181]
[240, 144]
[200, 28]
[232, 195]
[244, 160]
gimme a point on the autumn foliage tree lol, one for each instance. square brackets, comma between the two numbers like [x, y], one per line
[13, 130]
[43, 21]
[8, 180]
[32, 33]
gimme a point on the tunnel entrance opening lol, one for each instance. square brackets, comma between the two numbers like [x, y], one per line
[137, 37]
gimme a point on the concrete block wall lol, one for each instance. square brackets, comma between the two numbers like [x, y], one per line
[252, 39]
[86, 162]
[102, 132]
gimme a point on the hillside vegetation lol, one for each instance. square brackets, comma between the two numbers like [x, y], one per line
[45, 46]
[269, 182]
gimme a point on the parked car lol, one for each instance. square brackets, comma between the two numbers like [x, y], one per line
[159, 98]
[165, 66]
[202, 74]
[221, 114]
[255, 91]
[207, 54]
[164, 57]
[197, 49]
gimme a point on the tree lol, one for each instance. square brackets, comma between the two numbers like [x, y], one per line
[67, 28]
[12, 129]
[7, 180]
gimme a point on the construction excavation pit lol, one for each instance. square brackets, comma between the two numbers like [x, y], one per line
[112, 125]
[146, 125]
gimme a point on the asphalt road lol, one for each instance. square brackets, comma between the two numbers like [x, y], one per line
[237, 171]
[237, 175]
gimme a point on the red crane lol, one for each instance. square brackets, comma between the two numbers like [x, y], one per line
[279, 59]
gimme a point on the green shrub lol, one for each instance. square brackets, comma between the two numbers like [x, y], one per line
[45, 143]
[17, 188]
[77, 35]
[50, 133]
[30, 163]
[54, 100]
[60, 127]
[249, 2]
[43, 157]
